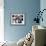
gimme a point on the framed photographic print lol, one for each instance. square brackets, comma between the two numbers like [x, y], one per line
[17, 19]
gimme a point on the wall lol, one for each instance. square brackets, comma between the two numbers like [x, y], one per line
[43, 6]
[28, 8]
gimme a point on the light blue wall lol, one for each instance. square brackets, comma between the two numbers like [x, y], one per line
[43, 6]
[28, 8]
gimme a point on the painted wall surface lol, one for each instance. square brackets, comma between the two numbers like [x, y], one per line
[26, 7]
[43, 6]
